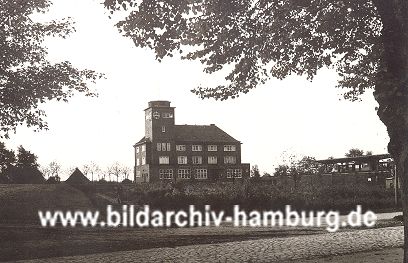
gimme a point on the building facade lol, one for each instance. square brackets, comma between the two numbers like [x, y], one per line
[170, 152]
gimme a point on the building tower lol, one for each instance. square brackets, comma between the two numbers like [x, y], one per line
[159, 121]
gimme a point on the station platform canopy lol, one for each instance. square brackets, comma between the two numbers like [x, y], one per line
[357, 159]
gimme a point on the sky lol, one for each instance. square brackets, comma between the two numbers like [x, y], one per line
[289, 117]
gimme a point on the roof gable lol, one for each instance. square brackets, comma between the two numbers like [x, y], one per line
[77, 177]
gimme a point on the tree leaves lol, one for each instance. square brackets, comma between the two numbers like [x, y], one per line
[27, 79]
[262, 39]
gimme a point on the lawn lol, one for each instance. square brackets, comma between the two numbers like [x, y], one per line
[20, 202]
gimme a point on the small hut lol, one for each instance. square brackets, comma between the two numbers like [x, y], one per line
[77, 177]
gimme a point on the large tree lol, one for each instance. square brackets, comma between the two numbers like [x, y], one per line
[366, 41]
[26, 168]
[27, 78]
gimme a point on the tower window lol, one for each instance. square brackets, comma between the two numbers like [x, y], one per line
[143, 148]
[163, 146]
[163, 128]
[167, 115]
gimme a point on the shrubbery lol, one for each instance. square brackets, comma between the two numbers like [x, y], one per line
[258, 195]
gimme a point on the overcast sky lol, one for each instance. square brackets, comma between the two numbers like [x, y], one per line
[293, 116]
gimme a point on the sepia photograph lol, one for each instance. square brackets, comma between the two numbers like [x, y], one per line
[204, 131]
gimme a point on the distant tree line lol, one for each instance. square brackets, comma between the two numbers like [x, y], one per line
[21, 167]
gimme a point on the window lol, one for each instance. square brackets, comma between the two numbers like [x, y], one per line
[163, 160]
[212, 148]
[230, 160]
[180, 148]
[184, 173]
[143, 160]
[229, 148]
[234, 173]
[201, 174]
[166, 173]
[212, 159]
[143, 148]
[167, 115]
[137, 173]
[163, 128]
[197, 160]
[197, 148]
[237, 173]
[137, 149]
[137, 161]
[182, 160]
[162, 146]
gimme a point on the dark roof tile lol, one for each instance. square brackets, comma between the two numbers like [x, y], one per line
[142, 141]
[201, 133]
[77, 177]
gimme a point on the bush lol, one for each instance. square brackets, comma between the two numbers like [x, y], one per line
[259, 196]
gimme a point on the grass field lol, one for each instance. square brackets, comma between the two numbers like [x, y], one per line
[20, 202]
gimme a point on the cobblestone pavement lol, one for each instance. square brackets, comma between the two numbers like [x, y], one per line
[261, 250]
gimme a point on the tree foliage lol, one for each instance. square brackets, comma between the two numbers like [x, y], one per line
[20, 168]
[26, 159]
[255, 172]
[354, 152]
[27, 78]
[7, 157]
[261, 39]
[305, 166]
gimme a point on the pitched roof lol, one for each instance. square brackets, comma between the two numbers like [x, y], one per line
[142, 141]
[77, 177]
[357, 159]
[201, 133]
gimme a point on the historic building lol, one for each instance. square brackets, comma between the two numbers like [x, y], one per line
[170, 152]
